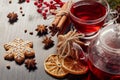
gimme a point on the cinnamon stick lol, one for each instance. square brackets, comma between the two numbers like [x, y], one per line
[61, 22]
[65, 27]
[57, 18]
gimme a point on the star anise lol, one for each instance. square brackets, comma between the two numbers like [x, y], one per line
[53, 30]
[30, 64]
[42, 30]
[48, 42]
[13, 17]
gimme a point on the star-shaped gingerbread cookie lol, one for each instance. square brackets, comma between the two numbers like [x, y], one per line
[18, 50]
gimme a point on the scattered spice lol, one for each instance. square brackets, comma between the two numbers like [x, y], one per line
[20, 8]
[13, 17]
[31, 33]
[30, 64]
[10, 2]
[25, 30]
[21, 1]
[23, 14]
[48, 42]
[42, 30]
[8, 66]
[21, 11]
[53, 30]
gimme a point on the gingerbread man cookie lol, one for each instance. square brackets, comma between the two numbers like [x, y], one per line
[18, 50]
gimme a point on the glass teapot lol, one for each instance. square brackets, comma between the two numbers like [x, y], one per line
[104, 53]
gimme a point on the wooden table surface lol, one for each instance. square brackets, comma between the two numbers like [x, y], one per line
[9, 32]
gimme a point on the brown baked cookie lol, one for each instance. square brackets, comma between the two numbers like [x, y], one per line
[18, 50]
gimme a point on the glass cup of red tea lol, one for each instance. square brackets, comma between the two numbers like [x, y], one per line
[88, 16]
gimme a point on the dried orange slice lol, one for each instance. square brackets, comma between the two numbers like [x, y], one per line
[74, 66]
[53, 66]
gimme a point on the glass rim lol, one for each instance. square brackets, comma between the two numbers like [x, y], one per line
[91, 21]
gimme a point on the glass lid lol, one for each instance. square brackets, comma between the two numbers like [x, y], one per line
[110, 37]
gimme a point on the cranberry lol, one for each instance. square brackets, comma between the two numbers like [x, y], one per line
[61, 4]
[45, 17]
[35, 3]
[51, 2]
[39, 10]
[46, 3]
[46, 10]
[40, 1]
[53, 7]
[27, 1]
[44, 14]
[57, 1]
[39, 6]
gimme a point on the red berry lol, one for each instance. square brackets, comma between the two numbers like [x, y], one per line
[61, 4]
[39, 5]
[44, 14]
[46, 3]
[27, 1]
[39, 11]
[53, 7]
[35, 3]
[44, 17]
[51, 2]
[57, 1]
[40, 1]
[46, 10]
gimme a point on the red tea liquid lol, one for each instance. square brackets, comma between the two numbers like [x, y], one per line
[101, 75]
[86, 10]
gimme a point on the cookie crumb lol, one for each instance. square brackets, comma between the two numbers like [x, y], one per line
[31, 33]
[8, 66]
